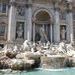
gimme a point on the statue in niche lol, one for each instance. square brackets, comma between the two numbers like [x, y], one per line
[43, 35]
[20, 31]
[63, 33]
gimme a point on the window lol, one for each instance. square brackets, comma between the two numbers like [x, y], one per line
[3, 8]
[2, 30]
[0, 8]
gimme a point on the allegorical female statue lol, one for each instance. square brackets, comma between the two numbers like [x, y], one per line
[63, 33]
[20, 31]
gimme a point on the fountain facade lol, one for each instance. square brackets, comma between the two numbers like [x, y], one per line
[36, 34]
[36, 21]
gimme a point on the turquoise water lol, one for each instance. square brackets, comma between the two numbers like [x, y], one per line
[68, 71]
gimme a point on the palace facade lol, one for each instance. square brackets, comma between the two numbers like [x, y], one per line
[37, 20]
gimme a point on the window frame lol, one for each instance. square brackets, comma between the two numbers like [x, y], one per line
[1, 6]
[4, 35]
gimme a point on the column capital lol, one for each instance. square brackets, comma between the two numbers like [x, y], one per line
[28, 3]
[57, 9]
[12, 2]
[56, 6]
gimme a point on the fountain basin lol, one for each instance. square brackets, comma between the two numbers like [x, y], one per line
[57, 61]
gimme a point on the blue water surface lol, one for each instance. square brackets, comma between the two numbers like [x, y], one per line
[67, 71]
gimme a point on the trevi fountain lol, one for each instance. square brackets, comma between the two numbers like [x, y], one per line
[37, 36]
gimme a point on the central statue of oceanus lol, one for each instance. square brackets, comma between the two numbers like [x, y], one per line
[43, 35]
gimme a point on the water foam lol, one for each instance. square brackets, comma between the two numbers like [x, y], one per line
[62, 69]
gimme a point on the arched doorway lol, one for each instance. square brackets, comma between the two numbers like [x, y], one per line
[42, 30]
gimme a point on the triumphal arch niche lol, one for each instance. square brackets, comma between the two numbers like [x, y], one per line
[42, 26]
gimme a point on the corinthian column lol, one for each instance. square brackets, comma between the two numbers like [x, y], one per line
[29, 22]
[56, 25]
[12, 21]
[70, 22]
[71, 26]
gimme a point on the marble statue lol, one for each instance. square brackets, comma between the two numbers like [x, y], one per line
[20, 31]
[70, 50]
[48, 44]
[63, 31]
[26, 45]
[70, 47]
[43, 35]
[62, 47]
[15, 48]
